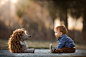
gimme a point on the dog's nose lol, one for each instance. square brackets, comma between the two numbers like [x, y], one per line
[29, 36]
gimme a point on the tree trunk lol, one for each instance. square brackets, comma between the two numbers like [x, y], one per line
[84, 26]
[64, 18]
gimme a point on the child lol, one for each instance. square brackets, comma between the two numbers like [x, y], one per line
[65, 43]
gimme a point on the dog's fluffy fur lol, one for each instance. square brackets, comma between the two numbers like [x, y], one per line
[14, 41]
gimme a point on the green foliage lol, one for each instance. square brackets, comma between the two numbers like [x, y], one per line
[20, 13]
[22, 7]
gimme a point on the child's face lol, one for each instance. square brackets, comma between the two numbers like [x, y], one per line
[58, 33]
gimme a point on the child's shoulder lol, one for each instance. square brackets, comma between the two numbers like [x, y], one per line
[68, 38]
[65, 37]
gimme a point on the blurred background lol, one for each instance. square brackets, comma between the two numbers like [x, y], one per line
[40, 17]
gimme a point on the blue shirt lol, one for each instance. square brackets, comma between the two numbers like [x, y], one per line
[65, 41]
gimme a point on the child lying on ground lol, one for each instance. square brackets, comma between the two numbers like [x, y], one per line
[65, 43]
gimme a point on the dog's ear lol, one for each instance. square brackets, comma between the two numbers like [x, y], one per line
[22, 29]
[26, 32]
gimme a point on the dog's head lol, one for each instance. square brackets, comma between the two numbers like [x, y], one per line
[21, 34]
[26, 36]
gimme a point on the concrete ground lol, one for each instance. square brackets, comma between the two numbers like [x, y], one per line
[42, 53]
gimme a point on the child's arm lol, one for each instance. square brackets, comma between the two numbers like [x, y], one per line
[61, 43]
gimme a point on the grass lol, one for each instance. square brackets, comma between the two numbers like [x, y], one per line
[37, 44]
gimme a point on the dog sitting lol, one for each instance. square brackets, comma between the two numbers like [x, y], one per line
[17, 44]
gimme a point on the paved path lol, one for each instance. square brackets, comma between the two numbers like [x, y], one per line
[42, 53]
